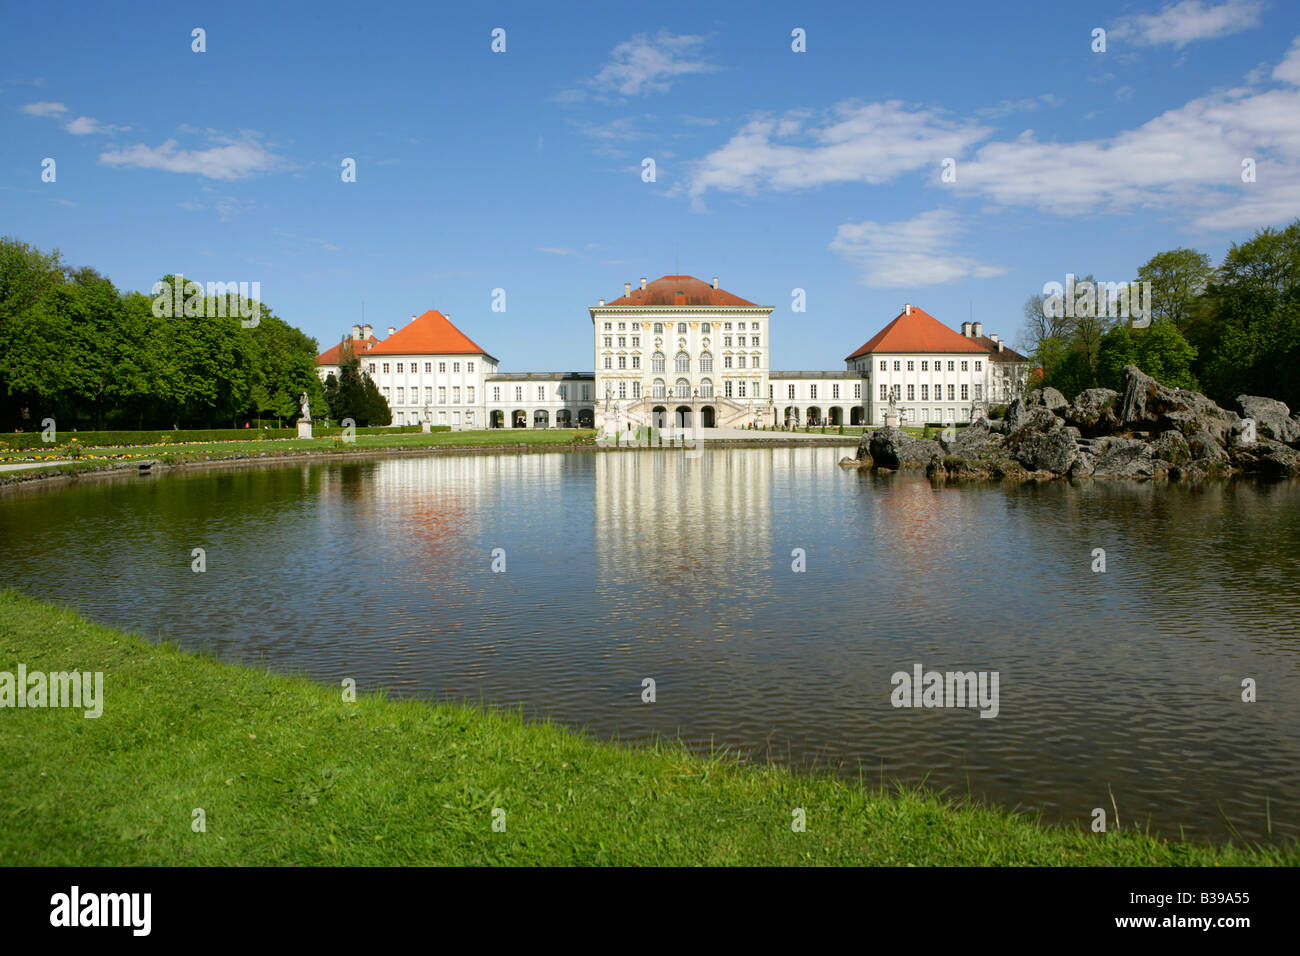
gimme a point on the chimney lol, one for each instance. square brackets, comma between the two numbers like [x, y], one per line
[367, 331]
[643, 282]
[907, 309]
[602, 301]
[627, 288]
[356, 331]
[1000, 344]
[993, 336]
[715, 282]
[979, 329]
[392, 331]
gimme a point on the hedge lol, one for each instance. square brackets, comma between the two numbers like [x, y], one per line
[106, 439]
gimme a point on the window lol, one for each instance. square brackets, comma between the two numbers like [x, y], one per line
[636, 361]
[471, 394]
[563, 392]
[428, 366]
[586, 393]
[726, 341]
[622, 341]
[771, 390]
[607, 362]
[726, 326]
[519, 393]
[726, 361]
[754, 362]
[496, 393]
[541, 393]
[965, 366]
[925, 393]
[950, 393]
[706, 362]
[683, 362]
[469, 367]
[621, 326]
[428, 395]
[622, 361]
[442, 367]
[835, 391]
[753, 341]
[399, 368]
[636, 341]
[401, 396]
[706, 328]
[882, 365]
[657, 362]
[789, 391]
[857, 390]
[965, 392]
[706, 388]
[683, 388]
[911, 393]
[884, 395]
[659, 388]
[681, 328]
[372, 368]
[925, 366]
[812, 393]
[741, 389]
[659, 328]
[622, 389]
[607, 326]
[979, 366]
[950, 366]
[385, 368]
[636, 389]
[979, 393]
[726, 388]
[609, 340]
[740, 361]
[442, 394]
[911, 366]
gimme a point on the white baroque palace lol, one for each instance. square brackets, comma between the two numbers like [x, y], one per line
[679, 351]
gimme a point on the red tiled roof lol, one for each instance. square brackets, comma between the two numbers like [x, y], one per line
[679, 290]
[918, 332]
[1007, 354]
[428, 334]
[332, 356]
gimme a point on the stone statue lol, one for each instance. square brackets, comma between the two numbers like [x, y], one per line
[302, 404]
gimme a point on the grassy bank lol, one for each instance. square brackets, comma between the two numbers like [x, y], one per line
[289, 773]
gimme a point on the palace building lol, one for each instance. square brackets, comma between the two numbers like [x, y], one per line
[682, 352]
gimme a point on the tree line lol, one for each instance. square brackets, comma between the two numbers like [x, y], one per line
[1225, 330]
[76, 349]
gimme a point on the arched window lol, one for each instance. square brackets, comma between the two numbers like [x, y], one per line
[659, 388]
[683, 362]
[706, 362]
[706, 388]
[683, 388]
[659, 328]
[657, 362]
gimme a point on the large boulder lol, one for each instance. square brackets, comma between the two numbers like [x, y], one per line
[1017, 411]
[1093, 411]
[1043, 443]
[1150, 406]
[1172, 447]
[971, 439]
[1268, 457]
[891, 448]
[1272, 418]
[1126, 458]
[1050, 399]
[1203, 447]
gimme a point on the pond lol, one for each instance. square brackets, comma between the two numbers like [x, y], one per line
[617, 567]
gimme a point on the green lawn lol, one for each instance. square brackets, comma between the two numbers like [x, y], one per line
[288, 773]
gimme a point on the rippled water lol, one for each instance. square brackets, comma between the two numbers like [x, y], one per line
[650, 564]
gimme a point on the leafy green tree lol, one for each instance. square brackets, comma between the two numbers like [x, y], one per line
[1117, 350]
[1178, 278]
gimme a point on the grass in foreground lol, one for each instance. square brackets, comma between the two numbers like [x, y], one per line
[288, 773]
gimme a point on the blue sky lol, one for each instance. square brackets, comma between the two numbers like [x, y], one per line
[522, 170]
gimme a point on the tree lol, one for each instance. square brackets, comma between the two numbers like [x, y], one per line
[1117, 350]
[1178, 277]
[1165, 355]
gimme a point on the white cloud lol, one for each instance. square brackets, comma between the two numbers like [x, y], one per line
[1179, 24]
[83, 125]
[235, 160]
[646, 64]
[44, 109]
[911, 253]
[872, 143]
[1026, 105]
[1288, 71]
[558, 251]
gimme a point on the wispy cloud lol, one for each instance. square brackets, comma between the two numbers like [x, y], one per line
[1026, 105]
[645, 64]
[911, 253]
[84, 125]
[44, 109]
[235, 160]
[1179, 24]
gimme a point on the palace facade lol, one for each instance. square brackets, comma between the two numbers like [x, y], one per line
[682, 352]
